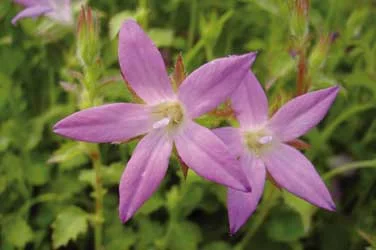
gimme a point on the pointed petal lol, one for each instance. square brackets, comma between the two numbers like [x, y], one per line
[31, 12]
[292, 171]
[142, 65]
[107, 123]
[144, 171]
[241, 205]
[302, 113]
[209, 157]
[213, 82]
[232, 138]
[249, 102]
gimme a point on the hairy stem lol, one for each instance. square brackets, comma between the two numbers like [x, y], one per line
[95, 156]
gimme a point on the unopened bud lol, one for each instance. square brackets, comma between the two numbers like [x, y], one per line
[88, 44]
[299, 18]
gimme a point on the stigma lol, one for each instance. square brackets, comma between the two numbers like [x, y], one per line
[168, 114]
[257, 141]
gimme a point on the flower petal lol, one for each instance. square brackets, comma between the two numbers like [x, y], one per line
[302, 113]
[209, 157]
[107, 123]
[292, 171]
[62, 11]
[232, 138]
[144, 171]
[142, 64]
[241, 205]
[213, 82]
[31, 12]
[249, 102]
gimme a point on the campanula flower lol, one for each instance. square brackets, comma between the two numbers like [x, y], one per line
[58, 10]
[166, 118]
[260, 145]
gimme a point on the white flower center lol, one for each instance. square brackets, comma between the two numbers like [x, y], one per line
[168, 114]
[258, 140]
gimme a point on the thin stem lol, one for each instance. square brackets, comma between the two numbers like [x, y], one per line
[98, 221]
[192, 23]
[301, 73]
[349, 167]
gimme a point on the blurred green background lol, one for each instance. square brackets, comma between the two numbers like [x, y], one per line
[47, 182]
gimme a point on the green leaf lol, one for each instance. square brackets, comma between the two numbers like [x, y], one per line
[68, 225]
[117, 20]
[154, 203]
[37, 174]
[110, 174]
[285, 225]
[3, 183]
[218, 245]
[305, 209]
[162, 37]
[17, 232]
[69, 155]
[184, 236]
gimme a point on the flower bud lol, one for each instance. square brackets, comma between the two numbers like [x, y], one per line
[88, 44]
[299, 18]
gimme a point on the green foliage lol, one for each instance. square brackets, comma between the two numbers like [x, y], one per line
[47, 183]
[69, 224]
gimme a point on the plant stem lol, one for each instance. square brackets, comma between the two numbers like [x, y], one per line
[301, 73]
[349, 167]
[192, 23]
[94, 154]
[91, 77]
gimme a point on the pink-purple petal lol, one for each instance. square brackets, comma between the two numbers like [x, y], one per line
[209, 157]
[107, 123]
[232, 138]
[144, 172]
[142, 65]
[292, 171]
[250, 103]
[241, 205]
[213, 82]
[302, 113]
[33, 11]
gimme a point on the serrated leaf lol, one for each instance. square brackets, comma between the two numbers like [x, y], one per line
[69, 155]
[70, 223]
[110, 174]
[17, 232]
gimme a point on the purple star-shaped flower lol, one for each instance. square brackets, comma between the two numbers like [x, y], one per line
[166, 119]
[58, 10]
[260, 145]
